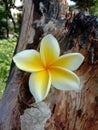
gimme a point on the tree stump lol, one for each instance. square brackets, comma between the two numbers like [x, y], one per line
[74, 110]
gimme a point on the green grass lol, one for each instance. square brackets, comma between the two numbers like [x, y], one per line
[6, 52]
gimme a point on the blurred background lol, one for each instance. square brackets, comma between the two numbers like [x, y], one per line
[10, 24]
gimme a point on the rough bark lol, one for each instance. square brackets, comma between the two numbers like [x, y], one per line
[75, 110]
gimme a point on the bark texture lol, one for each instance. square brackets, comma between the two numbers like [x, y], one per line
[75, 110]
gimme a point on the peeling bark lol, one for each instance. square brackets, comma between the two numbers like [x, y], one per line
[74, 110]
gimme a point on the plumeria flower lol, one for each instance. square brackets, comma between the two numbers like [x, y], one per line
[48, 67]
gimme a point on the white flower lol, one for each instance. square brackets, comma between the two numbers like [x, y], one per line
[48, 67]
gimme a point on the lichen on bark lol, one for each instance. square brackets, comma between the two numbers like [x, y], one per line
[34, 118]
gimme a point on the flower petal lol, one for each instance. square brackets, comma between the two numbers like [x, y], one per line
[39, 84]
[28, 60]
[49, 49]
[70, 61]
[64, 79]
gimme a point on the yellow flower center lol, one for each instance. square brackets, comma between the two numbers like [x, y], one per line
[47, 67]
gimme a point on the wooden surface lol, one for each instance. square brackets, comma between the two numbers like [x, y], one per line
[74, 110]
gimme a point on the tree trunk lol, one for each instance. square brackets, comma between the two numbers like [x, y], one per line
[74, 110]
